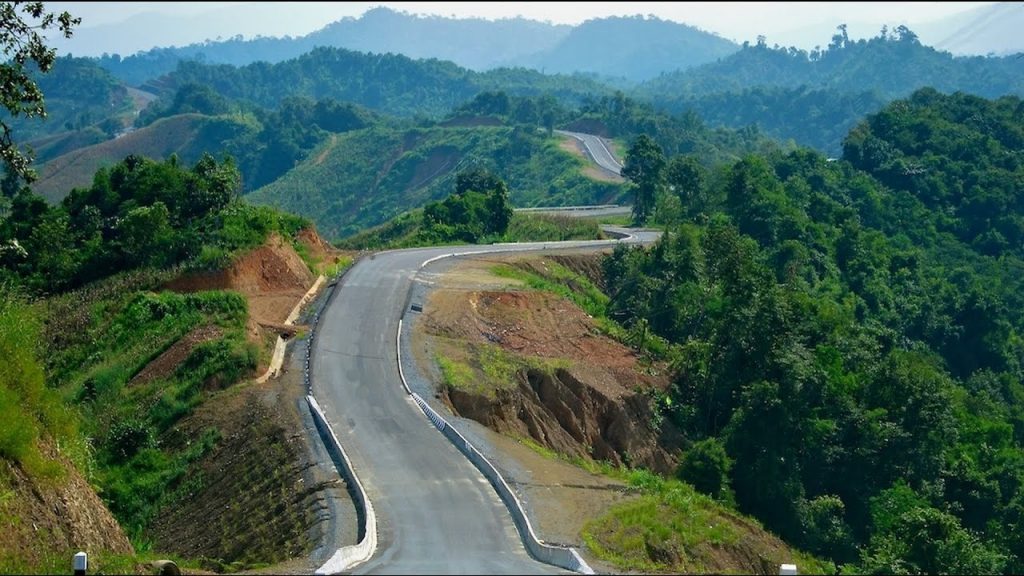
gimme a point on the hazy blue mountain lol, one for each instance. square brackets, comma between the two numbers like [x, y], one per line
[814, 98]
[992, 29]
[473, 43]
[636, 48]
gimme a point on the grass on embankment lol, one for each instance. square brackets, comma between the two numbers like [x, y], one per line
[107, 338]
[670, 527]
[484, 369]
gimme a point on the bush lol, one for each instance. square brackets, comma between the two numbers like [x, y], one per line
[706, 466]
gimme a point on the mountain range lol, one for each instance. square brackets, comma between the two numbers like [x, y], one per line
[631, 49]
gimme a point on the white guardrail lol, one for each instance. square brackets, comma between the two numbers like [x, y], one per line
[570, 208]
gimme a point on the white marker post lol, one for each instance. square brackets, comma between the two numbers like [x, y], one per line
[81, 564]
[787, 570]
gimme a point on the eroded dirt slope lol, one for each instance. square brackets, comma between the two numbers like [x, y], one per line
[41, 518]
[594, 406]
[259, 495]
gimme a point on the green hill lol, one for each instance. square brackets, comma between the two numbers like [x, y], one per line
[365, 177]
[389, 83]
[816, 97]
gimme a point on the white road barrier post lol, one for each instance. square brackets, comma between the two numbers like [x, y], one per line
[81, 563]
[787, 570]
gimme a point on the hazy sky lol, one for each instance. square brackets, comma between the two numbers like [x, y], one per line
[786, 23]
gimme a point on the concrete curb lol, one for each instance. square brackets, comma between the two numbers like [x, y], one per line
[349, 556]
[567, 558]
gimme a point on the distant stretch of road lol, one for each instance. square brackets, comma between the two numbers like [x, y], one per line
[582, 211]
[597, 150]
[436, 513]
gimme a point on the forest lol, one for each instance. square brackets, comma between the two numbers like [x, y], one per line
[846, 335]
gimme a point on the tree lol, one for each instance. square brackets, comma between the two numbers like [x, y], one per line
[706, 466]
[478, 207]
[686, 177]
[21, 42]
[645, 167]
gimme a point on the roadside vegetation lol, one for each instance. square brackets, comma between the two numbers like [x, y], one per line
[82, 280]
[849, 332]
[477, 212]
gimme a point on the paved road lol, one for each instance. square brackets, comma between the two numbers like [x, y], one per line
[436, 513]
[582, 211]
[597, 150]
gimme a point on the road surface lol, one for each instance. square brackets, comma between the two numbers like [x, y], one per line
[436, 513]
[597, 150]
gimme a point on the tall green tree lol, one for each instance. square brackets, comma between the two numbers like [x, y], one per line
[685, 177]
[645, 168]
[21, 25]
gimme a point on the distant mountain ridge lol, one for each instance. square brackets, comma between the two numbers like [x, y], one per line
[993, 29]
[633, 48]
[636, 48]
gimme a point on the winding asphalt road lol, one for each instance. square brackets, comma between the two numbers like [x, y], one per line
[436, 513]
[597, 150]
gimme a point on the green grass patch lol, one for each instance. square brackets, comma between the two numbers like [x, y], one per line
[484, 368]
[593, 466]
[561, 281]
[123, 332]
[671, 527]
[338, 268]
[455, 374]
[526, 227]
[28, 408]
[624, 220]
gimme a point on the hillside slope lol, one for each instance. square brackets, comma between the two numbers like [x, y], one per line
[388, 171]
[44, 522]
[549, 408]
[187, 135]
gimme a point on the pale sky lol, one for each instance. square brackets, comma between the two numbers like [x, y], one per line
[802, 24]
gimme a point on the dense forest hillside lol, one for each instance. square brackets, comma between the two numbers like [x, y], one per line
[81, 94]
[186, 136]
[894, 64]
[127, 362]
[846, 336]
[392, 168]
[389, 83]
[816, 97]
